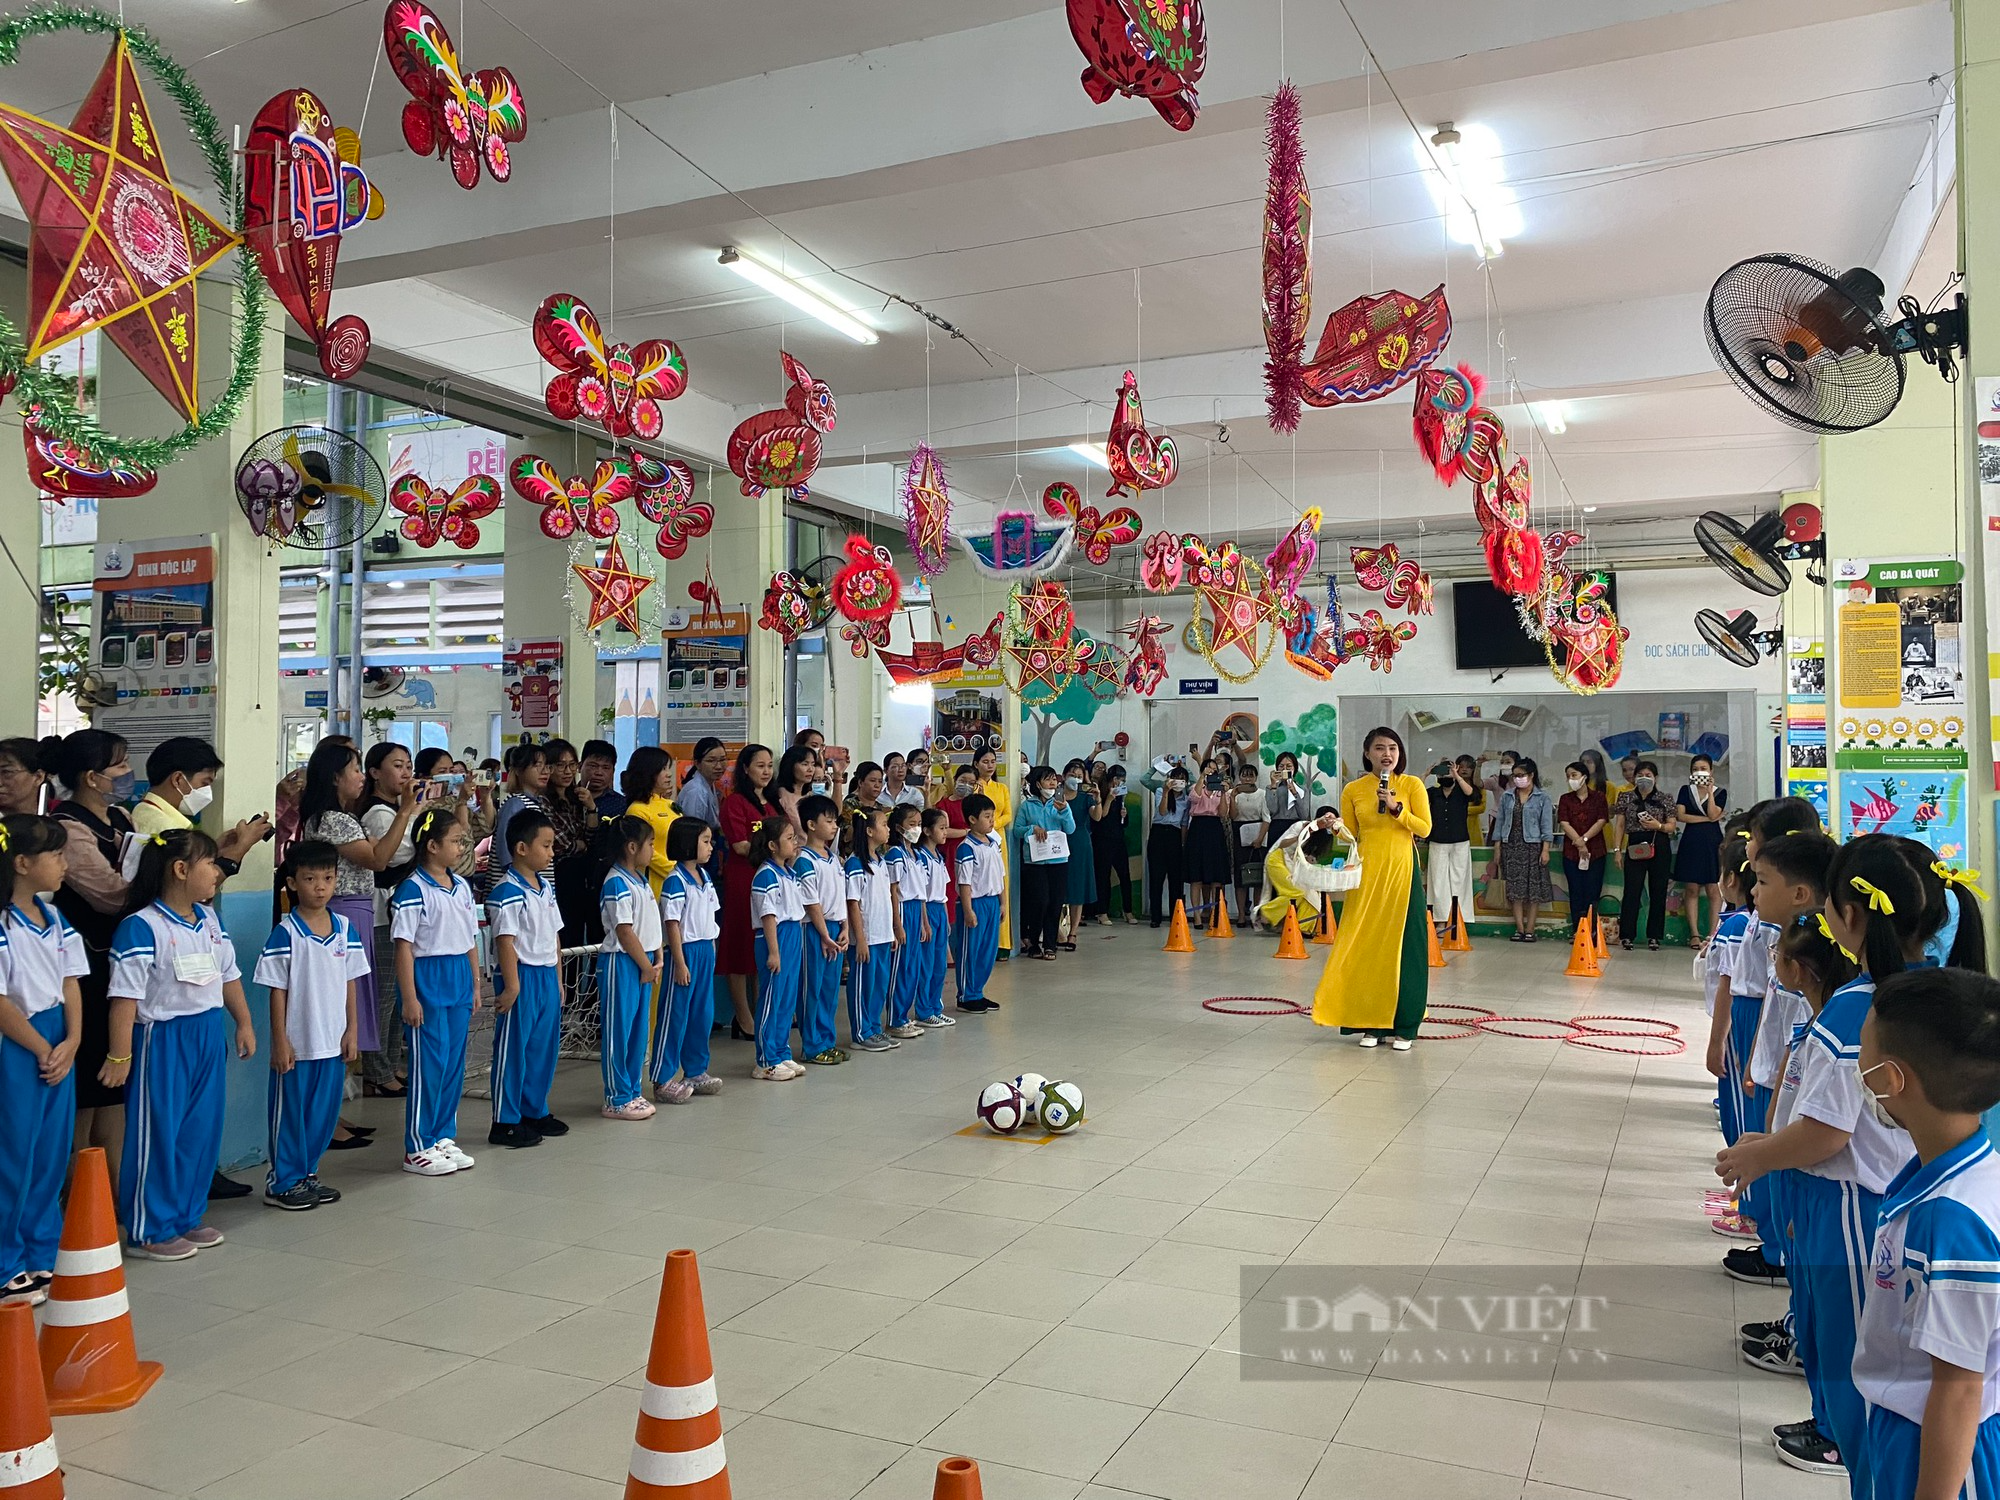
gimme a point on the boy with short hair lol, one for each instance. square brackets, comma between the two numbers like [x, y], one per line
[1927, 1361]
[982, 874]
[820, 872]
[526, 923]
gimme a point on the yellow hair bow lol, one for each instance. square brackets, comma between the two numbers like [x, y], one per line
[1966, 878]
[159, 840]
[1826, 932]
[1877, 899]
[3, 836]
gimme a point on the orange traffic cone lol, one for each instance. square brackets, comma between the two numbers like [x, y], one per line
[1458, 940]
[1597, 936]
[1220, 927]
[1291, 941]
[90, 1362]
[1437, 953]
[28, 1468]
[1582, 955]
[1179, 939]
[957, 1479]
[677, 1452]
[1329, 929]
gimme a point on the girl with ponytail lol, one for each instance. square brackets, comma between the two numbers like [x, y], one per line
[1876, 906]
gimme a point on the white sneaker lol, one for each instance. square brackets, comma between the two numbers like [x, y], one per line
[1399, 1044]
[1369, 1041]
[448, 1149]
[430, 1164]
[935, 1023]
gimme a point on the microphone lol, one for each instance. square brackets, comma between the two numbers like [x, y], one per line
[1382, 790]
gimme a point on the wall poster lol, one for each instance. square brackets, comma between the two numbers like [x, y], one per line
[531, 673]
[153, 639]
[706, 667]
[971, 716]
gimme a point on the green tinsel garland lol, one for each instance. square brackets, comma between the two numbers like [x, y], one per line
[52, 393]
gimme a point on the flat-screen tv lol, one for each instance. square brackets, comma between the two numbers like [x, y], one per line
[1486, 628]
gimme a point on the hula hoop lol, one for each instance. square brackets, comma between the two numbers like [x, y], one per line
[1670, 1031]
[1497, 1026]
[1472, 1013]
[1601, 1043]
[1465, 1032]
[1235, 1005]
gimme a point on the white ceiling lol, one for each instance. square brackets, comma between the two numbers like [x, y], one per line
[944, 152]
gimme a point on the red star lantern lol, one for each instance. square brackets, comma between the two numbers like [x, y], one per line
[614, 589]
[112, 243]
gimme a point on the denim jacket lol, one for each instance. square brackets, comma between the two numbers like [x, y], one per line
[1538, 817]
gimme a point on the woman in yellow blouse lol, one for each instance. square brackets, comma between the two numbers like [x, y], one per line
[1377, 979]
[649, 783]
[992, 784]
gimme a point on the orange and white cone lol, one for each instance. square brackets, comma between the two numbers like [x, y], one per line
[90, 1361]
[1329, 927]
[1291, 941]
[28, 1468]
[957, 1479]
[1179, 939]
[677, 1451]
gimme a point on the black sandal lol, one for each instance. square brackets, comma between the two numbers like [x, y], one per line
[384, 1091]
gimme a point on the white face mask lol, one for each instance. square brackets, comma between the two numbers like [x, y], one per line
[197, 800]
[1875, 1105]
[1576, 783]
[911, 835]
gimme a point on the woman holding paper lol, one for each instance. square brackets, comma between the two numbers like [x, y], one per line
[1044, 824]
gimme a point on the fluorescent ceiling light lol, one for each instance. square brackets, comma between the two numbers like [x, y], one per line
[397, 583]
[762, 274]
[1590, 510]
[1555, 420]
[1095, 452]
[1463, 167]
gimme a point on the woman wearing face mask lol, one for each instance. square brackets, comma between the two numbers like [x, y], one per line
[1081, 793]
[1645, 821]
[1044, 877]
[1377, 979]
[95, 770]
[1524, 833]
[1166, 866]
[1582, 816]
[1107, 847]
[1698, 808]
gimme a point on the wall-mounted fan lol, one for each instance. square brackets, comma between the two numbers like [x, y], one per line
[1736, 638]
[381, 682]
[310, 488]
[1814, 349]
[1753, 555]
[92, 691]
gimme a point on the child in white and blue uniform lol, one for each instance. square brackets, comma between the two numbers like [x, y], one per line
[823, 886]
[906, 872]
[628, 965]
[175, 993]
[309, 964]
[691, 913]
[435, 927]
[874, 929]
[1927, 1363]
[1732, 1010]
[778, 907]
[526, 924]
[933, 879]
[982, 879]
[41, 1025]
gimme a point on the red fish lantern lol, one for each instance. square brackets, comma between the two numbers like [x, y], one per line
[303, 188]
[70, 472]
[779, 450]
[465, 118]
[1145, 49]
[663, 491]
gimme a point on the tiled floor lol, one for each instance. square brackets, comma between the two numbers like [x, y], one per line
[883, 1290]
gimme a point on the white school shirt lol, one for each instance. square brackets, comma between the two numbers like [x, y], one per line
[936, 878]
[1783, 1010]
[1719, 957]
[1933, 1285]
[627, 900]
[1826, 1086]
[528, 914]
[34, 961]
[690, 899]
[776, 892]
[823, 883]
[437, 921]
[869, 887]
[313, 972]
[171, 966]
[902, 871]
[982, 865]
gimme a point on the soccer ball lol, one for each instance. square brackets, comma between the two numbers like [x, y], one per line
[1002, 1108]
[1061, 1107]
[1031, 1085]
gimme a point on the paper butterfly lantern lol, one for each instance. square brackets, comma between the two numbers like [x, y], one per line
[1146, 663]
[867, 589]
[614, 589]
[1378, 639]
[927, 510]
[619, 387]
[860, 637]
[577, 503]
[69, 471]
[462, 117]
[303, 188]
[1145, 49]
[1292, 559]
[779, 449]
[1019, 546]
[1161, 562]
[663, 491]
[433, 515]
[1287, 259]
[1376, 345]
[1096, 533]
[1137, 459]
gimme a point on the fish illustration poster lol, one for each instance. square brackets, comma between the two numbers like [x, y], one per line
[1928, 806]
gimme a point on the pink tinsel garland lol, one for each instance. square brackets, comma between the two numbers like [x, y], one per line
[1287, 259]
